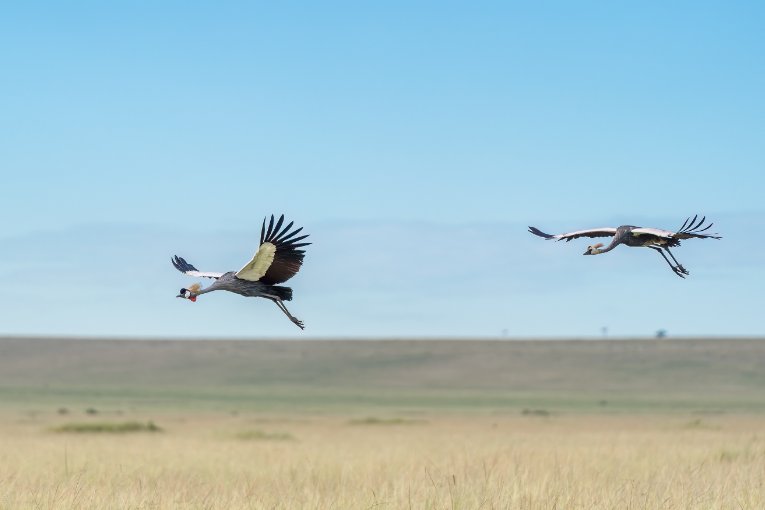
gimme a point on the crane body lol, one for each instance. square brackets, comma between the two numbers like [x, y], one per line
[640, 237]
[277, 260]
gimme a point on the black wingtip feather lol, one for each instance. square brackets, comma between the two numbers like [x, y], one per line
[539, 233]
[291, 242]
[181, 264]
[278, 225]
[279, 235]
[690, 227]
[288, 258]
[694, 228]
[289, 236]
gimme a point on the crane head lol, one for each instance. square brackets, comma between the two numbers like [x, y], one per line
[189, 294]
[593, 250]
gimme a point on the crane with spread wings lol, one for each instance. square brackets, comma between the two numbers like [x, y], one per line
[278, 259]
[639, 237]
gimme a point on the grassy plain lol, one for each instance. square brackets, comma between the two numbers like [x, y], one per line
[388, 424]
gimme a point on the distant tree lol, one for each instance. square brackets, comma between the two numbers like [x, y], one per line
[662, 333]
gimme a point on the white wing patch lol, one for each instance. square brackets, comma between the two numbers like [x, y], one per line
[604, 230]
[257, 267]
[653, 232]
[203, 274]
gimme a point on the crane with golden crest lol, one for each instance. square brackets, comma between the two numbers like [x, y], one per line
[640, 237]
[278, 259]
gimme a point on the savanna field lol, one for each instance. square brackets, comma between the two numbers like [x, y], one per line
[382, 424]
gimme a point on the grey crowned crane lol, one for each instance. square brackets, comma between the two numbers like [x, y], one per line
[640, 237]
[278, 259]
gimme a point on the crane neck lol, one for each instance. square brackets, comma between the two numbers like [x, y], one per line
[614, 243]
[207, 289]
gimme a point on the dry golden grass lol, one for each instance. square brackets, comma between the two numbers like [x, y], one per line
[439, 461]
[401, 424]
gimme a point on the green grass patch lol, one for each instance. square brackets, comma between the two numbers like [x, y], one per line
[699, 424]
[371, 420]
[535, 412]
[261, 435]
[108, 428]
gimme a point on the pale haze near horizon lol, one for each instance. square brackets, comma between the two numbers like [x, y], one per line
[415, 144]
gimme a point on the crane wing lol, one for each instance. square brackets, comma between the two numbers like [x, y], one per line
[186, 268]
[594, 232]
[690, 229]
[278, 258]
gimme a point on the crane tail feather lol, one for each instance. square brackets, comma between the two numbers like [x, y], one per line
[284, 293]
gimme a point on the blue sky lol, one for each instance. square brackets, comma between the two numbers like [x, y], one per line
[414, 141]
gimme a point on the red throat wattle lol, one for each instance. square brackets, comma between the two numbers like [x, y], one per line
[193, 299]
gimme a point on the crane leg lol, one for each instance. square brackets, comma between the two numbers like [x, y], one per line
[674, 269]
[679, 265]
[283, 308]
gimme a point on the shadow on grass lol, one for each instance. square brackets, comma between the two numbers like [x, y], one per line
[107, 427]
[371, 420]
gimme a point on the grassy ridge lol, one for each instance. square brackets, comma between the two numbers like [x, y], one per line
[487, 376]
